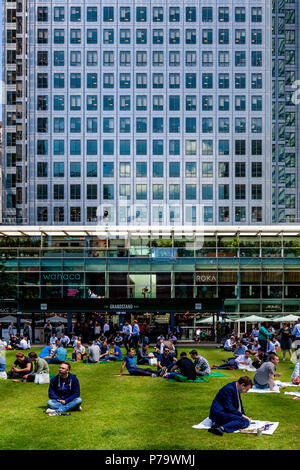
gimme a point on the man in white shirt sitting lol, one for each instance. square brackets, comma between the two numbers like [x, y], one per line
[3, 344]
[244, 360]
[230, 344]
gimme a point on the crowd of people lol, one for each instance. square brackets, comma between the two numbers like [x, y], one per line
[257, 349]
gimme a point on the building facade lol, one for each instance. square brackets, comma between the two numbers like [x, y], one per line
[146, 112]
[152, 270]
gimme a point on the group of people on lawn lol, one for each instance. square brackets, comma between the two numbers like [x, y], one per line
[226, 413]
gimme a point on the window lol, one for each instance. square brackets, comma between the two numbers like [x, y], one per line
[75, 36]
[174, 36]
[240, 147]
[256, 214]
[190, 103]
[141, 14]
[256, 36]
[240, 80]
[240, 36]
[157, 191]
[108, 169]
[223, 103]
[223, 191]
[75, 191]
[141, 37]
[125, 58]
[91, 58]
[42, 103]
[240, 214]
[240, 58]
[256, 191]
[224, 14]
[190, 36]
[240, 191]
[256, 58]
[108, 13]
[157, 58]
[42, 14]
[141, 169]
[42, 36]
[108, 58]
[190, 14]
[141, 191]
[58, 191]
[157, 36]
[223, 147]
[91, 191]
[223, 214]
[240, 14]
[91, 79]
[42, 80]
[157, 14]
[174, 191]
[157, 169]
[240, 125]
[91, 14]
[75, 214]
[58, 169]
[256, 80]
[158, 80]
[108, 80]
[207, 14]
[125, 36]
[141, 102]
[42, 58]
[124, 14]
[58, 214]
[42, 169]
[207, 191]
[141, 80]
[174, 169]
[75, 14]
[91, 169]
[42, 213]
[207, 80]
[174, 80]
[256, 169]
[223, 36]
[190, 192]
[207, 169]
[174, 14]
[141, 58]
[223, 80]
[223, 169]
[207, 59]
[109, 35]
[42, 191]
[125, 80]
[256, 15]
[75, 80]
[59, 147]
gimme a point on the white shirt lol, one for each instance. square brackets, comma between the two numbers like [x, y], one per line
[23, 344]
[105, 327]
[53, 340]
[244, 359]
[228, 344]
[3, 344]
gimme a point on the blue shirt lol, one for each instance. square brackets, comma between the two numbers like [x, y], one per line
[118, 351]
[136, 330]
[240, 350]
[61, 354]
[130, 363]
[296, 330]
[45, 352]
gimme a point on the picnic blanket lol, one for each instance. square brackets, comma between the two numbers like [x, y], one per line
[285, 384]
[217, 374]
[296, 394]
[182, 378]
[264, 390]
[248, 368]
[267, 427]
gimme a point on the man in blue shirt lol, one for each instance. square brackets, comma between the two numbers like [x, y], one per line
[129, 362]
[240, 348]
[227, 412]
[115, 353]
[64, 392]
[127, 332]
[46, 353]
[135, 336]
[166, 360]
[59, 355]
[296, 330]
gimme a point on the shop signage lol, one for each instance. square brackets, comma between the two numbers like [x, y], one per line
[61, 276]
[121, 306]
[207, 278]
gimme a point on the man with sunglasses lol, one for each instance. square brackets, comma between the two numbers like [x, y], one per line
[166, 359]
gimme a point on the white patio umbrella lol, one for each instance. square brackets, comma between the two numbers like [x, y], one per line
[208, 320]
[55, 319]
[286, 318]
[8, 319]
[252, 319]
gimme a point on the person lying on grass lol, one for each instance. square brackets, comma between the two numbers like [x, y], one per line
[64, 392]
[227, 412]
[201, 364]
[129, 362]
[186, 368]
[264, 376]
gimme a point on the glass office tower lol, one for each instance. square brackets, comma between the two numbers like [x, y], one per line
[149, 112]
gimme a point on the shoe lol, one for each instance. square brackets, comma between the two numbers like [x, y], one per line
[163, 371]
[153, 375]
[49, 410]
[53, 413]
[62, 413]
[79, 408]
[215, 430]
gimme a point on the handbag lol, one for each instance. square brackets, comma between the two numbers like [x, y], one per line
[296, 380]
[42, 378]
[153, 361]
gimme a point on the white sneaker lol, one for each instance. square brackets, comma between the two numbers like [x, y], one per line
[49, 410]
[79, 408]
[53, 413]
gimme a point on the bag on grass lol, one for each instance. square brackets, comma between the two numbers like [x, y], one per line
[3, 375]
[296, 380]
[153, 361]
[42, 378]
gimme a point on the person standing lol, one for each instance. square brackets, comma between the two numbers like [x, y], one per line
[263, 336]
[296, 330]
[286, 340]
[227, 412]
[47, 331]
[127, 331]
[135, 336]
[64, 392]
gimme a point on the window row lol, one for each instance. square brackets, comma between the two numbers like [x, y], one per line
[174, 103]
[126, 170]
[159, 59]
[141, 191]
[157, 147]
[143, 36]
[206, 80]
[76, 214]
[159, 14]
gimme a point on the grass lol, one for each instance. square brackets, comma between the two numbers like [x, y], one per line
[139, 413]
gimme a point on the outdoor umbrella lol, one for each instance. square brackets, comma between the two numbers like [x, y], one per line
[8, 319]
[252, 319]
[287, 318]
[55, 319]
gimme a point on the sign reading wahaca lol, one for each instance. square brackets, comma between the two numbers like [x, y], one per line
[57, 277]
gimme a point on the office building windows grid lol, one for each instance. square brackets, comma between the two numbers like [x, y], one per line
[180, 101]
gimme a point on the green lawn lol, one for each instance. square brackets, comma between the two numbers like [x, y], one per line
[128, 413]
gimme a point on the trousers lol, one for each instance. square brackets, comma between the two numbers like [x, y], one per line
[57, 406]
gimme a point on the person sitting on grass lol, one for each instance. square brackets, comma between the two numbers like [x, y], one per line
[201, 364]
[254, 347]
[143, 355]
[115, 352]
[46, 353]
[186, 368]
[64, 392]
[227, 412]
[59, 354]
[166, 360]
[129, 362]
[264, 376]
[65, 340]
[78, 352]
[240, 348]
[53, 340]
[244, 359]
[230, 344]
[104, 351]
[40, 367]
[119, 339]
[3, 344]
[93, 353]
[22, 366]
